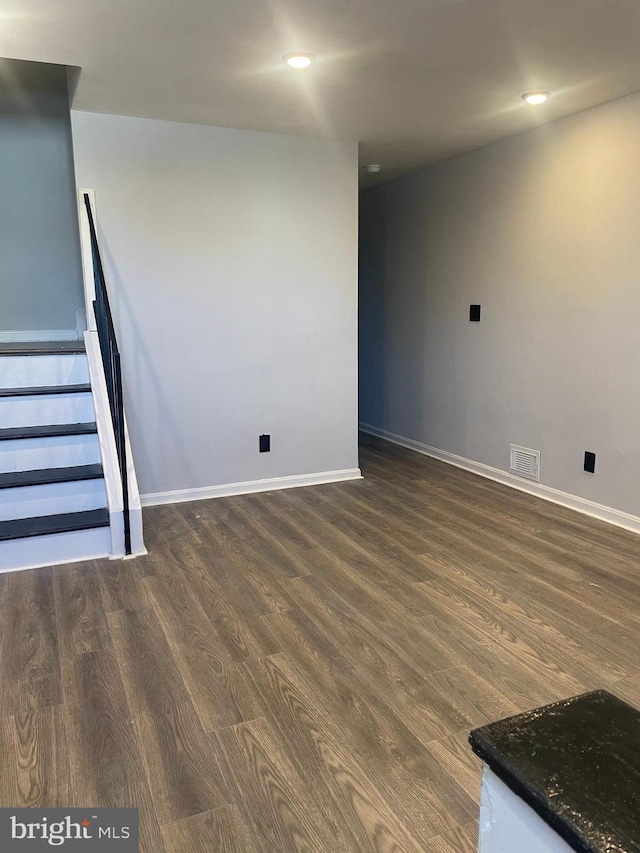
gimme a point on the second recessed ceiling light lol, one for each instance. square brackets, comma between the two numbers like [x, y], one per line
[298, 60]
[535, 98]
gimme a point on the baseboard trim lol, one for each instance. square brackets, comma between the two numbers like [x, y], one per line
[250, 486]
[39, 335]
[547, 493]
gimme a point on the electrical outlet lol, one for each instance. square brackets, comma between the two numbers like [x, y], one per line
[589, 462]
[474, 313]
[265, 444]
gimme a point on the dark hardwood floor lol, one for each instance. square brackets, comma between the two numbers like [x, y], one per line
[299, 670]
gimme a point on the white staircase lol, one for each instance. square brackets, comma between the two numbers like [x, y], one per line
[53, 500]
[68, 486]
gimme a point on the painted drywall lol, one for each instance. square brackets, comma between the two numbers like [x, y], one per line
[542, 231]
[232, 261]
[40, 271]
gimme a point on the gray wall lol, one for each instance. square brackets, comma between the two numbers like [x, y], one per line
[40, 271]
[232, 258]
[543, 230]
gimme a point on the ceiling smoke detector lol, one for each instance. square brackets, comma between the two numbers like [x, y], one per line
[373, 168]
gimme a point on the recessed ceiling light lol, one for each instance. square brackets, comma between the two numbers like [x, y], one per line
[298, 60]
[535, 98]
[373, 168]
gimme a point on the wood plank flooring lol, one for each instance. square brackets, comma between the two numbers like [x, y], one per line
[299, 670]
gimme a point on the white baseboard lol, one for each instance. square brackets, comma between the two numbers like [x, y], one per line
[586, 507]
[39, 335]
[250, 486]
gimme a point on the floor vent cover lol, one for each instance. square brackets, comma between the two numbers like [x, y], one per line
[524, 462]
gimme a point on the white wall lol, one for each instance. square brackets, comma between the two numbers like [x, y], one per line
[40, 272]
[232, 260]
[507, 822]
[543, 230]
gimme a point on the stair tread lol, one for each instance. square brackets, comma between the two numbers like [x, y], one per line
[48, 431]
[37, 390]
[40, 347]
[46, 476]
[22, 528]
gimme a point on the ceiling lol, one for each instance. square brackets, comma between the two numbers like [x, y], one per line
[413, 81]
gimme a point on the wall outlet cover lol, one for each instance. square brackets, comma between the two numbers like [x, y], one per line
[589, 462]
[265, 443]
[474, 313]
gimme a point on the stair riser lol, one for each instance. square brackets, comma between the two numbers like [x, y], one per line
[25, 370]
[43, 410]
[31, 501]
[55, 548]
[33, 454]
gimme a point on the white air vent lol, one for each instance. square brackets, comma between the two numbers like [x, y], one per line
[524, 462]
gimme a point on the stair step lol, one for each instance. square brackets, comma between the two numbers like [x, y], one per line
[28, 371]
[59, 451]
[38, 501]
[22, 528]
[50, 475]
[54, 548]
[47, 431]
[31, 411]
[45, 389]
[40, 347]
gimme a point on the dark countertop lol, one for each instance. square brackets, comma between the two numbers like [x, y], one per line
[576, 764]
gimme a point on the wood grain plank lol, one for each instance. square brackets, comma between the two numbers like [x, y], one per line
[183, 772]
[629, 690]
[499, 665]
[216, 686]
[29, 655]
[413, 782]
[121, 584]
[231, 564]
[464, 839]
[339, 784]
[452, 532]
[324, 521]
[274, 798]
[105, 758]
[221, 831]
[471, 695]
[243, 636]
[528, 645]
[80, 618]
[579, 615]
[454, 755]
[419, 699]
[241, 632]
[33, 746]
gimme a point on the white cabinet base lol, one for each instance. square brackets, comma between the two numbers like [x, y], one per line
[508, 824]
